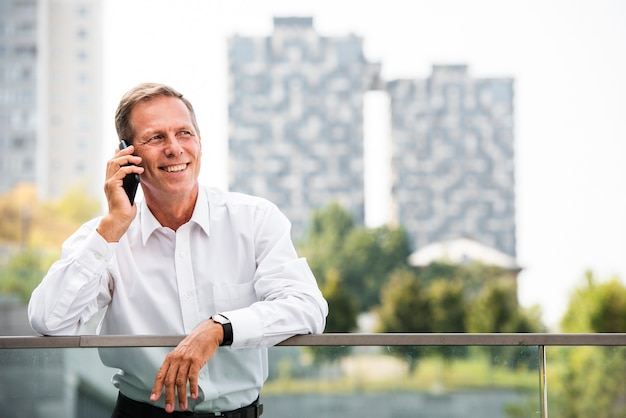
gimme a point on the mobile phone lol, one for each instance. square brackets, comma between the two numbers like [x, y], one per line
[131, 181]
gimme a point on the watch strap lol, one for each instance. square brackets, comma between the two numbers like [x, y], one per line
[227, 327]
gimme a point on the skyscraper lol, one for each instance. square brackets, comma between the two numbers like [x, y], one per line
[50, 83]
[453, 158]
[296, 118]
[18, 92]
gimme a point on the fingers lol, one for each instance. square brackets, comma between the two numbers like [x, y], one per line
[193, 381]
[181, 387]
[124, 161]
[167, 378]
[182, 365]
[173, 377]
[122, 164]
[158, 383]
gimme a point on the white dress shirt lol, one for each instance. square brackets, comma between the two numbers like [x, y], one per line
[234, 257]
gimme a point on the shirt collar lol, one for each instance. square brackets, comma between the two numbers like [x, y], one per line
[200, 216]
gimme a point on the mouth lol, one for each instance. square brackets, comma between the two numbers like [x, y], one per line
[175, 168]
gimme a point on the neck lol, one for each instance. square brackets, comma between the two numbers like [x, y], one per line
[175, 210]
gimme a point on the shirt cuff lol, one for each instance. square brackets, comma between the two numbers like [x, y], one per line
[247, 328]
[95, 253]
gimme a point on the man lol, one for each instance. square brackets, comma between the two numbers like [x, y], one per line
[218, 267]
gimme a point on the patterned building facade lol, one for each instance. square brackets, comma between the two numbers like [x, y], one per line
[296, 118]
[50, 95]
[453, 158]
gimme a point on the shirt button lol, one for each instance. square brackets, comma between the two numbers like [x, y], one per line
[182, 254]
[188, 294]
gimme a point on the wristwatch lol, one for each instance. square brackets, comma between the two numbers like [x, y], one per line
[226, 326]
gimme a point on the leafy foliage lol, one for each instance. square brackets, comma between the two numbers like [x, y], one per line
[405, 307]
[594, 377]
[363, 258]
[448, 298]
[596, 307]
[27, 222]
[23, 272]
[343, 317]
[31, 233]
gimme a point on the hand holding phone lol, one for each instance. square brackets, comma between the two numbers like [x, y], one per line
[131, 181]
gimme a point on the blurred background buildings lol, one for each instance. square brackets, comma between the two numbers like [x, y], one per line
[453, 158]
[568, 114]
[50, 95]
[296, 124]
[296, 118]
[296, 136]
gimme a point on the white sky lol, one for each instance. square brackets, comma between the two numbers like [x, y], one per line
[568, 59]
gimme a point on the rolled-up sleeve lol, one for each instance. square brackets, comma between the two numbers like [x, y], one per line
[290, 301]
[75, 287]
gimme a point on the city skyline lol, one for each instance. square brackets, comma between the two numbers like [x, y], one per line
[50, 80]
[295, 103]
[566, 58]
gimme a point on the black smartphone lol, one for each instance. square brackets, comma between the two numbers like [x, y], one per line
[131, 181]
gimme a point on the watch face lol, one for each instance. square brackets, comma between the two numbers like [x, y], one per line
[221, 319]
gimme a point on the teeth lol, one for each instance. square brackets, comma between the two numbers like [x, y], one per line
[175, 168]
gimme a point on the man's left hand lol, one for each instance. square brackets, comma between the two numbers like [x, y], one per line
[183, 365]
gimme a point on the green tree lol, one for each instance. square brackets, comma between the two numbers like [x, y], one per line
[33, 231]
[342, 306]
[448, 313]
[29, 223]
[342, 317]
[75, 206]
[368, 258]
[363, 257]
[594, 378]
[448, 305]
[23, 272]
[596, 307]
[496, 309]
[405, 307]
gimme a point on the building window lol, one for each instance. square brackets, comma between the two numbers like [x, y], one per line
[19, 143]
[26, 73]
[25, 28]
[82, 123]
[82, 78]
[27, 97]
[24, 51]
[83, 11]
[27, 164]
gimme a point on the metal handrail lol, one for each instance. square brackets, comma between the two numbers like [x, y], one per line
[389, 339]
[347, 339]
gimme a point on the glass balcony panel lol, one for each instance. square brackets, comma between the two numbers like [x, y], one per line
[303, 382]
[404, 381]
[586, 381]
[353, 381]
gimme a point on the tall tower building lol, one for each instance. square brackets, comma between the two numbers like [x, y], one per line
[296, 118]
[70, 100]
[18, 92]
[50, 95]
[453, 158]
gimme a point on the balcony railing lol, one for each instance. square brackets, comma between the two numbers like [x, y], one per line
[353, 375]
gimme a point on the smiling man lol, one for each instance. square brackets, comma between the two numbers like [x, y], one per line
[219, 268]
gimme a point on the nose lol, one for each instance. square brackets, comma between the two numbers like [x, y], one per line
[173, 147]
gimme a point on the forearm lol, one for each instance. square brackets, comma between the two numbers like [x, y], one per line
[74, 288]
[288, 306]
